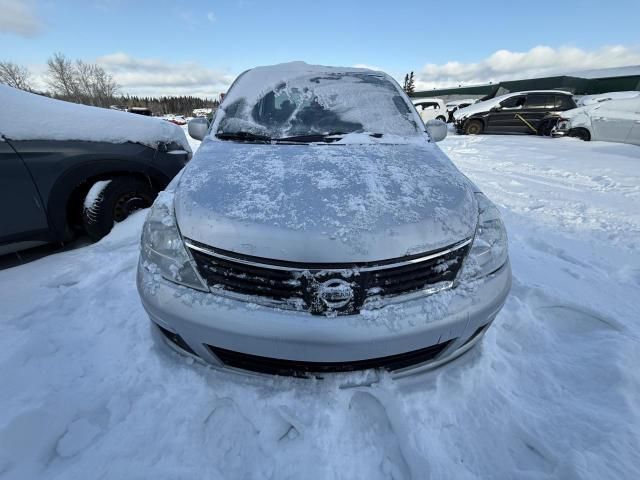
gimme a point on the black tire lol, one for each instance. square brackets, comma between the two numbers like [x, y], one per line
[581, 133]
[119, 198]
[473, 127]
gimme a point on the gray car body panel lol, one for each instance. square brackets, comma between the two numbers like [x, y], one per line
[324, 203]
[47, 172]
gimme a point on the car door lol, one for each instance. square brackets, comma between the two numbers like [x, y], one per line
[502, 118]
[537, 106]
[613, 120]
[21, 208]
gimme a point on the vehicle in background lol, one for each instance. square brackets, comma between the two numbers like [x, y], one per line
[310, 221]
[430, 109]
[609, 121]
[120, 108]
[140, 111]
[175, 119]
[455, 105]
[532, 112]
[67, 168]
[605, 97]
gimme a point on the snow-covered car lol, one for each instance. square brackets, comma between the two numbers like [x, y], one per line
[430, 109]
[609, 121]
[605, 97]
[66, 167]
[531, 112]
[320, 229]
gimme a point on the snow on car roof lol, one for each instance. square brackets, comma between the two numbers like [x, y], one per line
[27, 116]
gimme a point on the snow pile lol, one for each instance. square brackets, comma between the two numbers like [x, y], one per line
[27, 116]
[551, 392]
[605, 97]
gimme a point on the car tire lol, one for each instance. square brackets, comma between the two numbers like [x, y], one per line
[473, 127]
[581, 133]
[113, 202]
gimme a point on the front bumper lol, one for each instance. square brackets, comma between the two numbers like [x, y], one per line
[203, 324]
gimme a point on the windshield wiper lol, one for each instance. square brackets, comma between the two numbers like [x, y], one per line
[312, 137]
[243, 137]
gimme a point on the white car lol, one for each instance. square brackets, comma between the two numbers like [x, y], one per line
[431, 109]
[605, 97]
[610, 121]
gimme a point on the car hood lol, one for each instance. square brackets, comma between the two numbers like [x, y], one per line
[477, 108]
[324, 203]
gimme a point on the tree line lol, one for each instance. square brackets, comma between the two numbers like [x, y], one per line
[90, 84]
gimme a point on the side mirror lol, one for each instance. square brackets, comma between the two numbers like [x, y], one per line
[497, 108]
[437, 130]
[198, 128]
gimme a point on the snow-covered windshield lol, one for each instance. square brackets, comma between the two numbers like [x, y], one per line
[317, 103]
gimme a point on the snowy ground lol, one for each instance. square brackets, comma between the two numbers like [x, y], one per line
[552, 392]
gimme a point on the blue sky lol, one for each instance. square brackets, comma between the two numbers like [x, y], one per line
[172, 39]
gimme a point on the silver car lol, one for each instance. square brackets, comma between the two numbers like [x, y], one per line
[319, 229]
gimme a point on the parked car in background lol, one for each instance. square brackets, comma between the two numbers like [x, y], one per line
[66, 167]
[531, 112]
[309, 222]
[430, 109]
[455, 105]
[605, 97]
[175, 119]
[609, 121]
[141, 111]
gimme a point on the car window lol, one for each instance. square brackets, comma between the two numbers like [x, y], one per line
[563, 102]
[310, 104]
[513, 102]
[542, 102]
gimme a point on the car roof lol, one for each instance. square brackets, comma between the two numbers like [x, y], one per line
[524, 92]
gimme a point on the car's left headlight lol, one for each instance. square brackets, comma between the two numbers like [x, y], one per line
[162, 248]
[489, 250]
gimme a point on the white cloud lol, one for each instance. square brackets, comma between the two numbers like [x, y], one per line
[145, 76]
[19, 17]
[370, 67]
[537, 62]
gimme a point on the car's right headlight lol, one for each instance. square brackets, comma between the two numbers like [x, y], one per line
[162, 249]
[489, 250]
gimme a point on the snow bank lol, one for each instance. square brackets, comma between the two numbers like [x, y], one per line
[27, 116]
[550, 394]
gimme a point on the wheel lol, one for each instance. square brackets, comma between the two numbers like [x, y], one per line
[581, 133]
[441, 118]
[473, 127]
[111, 201]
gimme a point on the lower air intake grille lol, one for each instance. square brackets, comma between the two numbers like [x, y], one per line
[275, 366]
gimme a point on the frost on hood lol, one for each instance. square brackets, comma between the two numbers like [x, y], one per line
[362, 196]
[27, 116]
[298, 99]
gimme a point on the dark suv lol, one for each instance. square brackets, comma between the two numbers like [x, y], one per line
[534, 112]
[52, 188]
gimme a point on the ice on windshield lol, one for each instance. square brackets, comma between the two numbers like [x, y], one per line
[312, 101]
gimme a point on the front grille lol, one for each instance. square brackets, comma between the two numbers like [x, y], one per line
[296, 368]
[326, 287]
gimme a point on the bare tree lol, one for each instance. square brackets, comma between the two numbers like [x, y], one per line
[80, 82]
[15, 76]
[62, 78]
